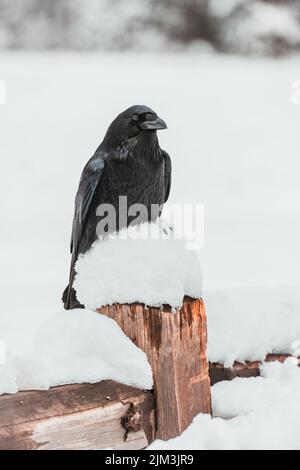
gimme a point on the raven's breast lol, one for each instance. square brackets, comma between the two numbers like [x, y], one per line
[140, 185]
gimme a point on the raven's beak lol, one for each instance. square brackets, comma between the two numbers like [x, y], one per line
[157, 124]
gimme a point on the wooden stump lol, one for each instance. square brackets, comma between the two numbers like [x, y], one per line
[175, 344]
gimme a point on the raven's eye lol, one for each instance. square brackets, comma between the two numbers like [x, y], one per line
[135, 117]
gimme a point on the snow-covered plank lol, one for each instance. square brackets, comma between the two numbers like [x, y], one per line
[218, 372]
[73, 346]
[78, 416]
[175, 344]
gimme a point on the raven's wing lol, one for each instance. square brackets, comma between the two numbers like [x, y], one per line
[167, 174]
[89, 181]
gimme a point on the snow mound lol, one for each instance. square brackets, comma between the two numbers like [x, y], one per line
[76, 346]
[257, 413]
[249, 323]
[144, 263]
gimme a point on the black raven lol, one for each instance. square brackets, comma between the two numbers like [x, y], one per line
[129, 162]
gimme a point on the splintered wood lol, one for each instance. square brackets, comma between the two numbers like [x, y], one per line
[175, 344]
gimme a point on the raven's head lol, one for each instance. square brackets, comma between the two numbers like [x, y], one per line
[131, 123]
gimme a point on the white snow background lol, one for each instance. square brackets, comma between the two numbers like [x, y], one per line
[234, 140]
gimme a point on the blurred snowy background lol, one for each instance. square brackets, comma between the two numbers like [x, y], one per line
[242, 26]
[225, 77]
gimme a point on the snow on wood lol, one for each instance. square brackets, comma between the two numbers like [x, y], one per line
[257, 320]
[76, 346]
[218, 372]
[146, 263]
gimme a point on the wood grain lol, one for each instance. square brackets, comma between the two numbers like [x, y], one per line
[78, 416]
[175, 344]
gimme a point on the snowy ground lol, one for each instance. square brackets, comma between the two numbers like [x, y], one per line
[233, 137]
[256, 413]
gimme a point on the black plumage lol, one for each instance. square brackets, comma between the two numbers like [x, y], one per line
[129, 162]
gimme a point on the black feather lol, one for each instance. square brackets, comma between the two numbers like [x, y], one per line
[167, 174]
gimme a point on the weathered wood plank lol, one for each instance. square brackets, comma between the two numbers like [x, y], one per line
[175, 344]
[245, 369]
[77, 416]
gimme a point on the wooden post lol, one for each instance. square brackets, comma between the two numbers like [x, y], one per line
[175, 344]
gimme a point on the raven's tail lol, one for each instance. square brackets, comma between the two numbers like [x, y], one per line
[69, 298]
[64, 297]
